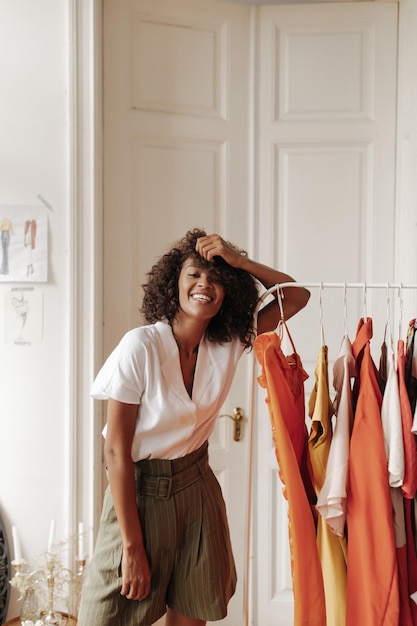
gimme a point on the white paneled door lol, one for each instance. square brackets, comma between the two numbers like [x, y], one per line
[274, 126]
[327, 109]
[176, 157]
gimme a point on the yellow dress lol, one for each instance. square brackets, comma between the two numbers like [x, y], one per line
[331, 547]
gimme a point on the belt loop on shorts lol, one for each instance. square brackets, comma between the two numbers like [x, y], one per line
[200, 469]
[163, 487]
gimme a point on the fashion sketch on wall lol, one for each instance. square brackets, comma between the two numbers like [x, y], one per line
[24, 243]
[22, 315]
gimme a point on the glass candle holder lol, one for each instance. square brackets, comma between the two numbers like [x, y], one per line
[51, 616]
[29, 611]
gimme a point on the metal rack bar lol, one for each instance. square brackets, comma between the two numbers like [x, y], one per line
[324, 285]
[365, 285]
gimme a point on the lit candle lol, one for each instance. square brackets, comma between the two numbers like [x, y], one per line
[51, 535]
[81, 554]
[16, 547]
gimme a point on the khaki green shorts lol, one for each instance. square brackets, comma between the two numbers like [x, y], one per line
[187, 541]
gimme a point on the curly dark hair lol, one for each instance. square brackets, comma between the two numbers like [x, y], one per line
[235, 318]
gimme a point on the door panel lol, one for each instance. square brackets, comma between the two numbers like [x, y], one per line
[175, 156]
[327, 75]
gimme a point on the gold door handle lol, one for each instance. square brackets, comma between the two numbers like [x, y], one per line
[237, 418]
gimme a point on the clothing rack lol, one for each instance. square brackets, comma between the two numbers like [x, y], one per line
[278, 291]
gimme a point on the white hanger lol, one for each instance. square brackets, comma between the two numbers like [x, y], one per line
[345, 316]
[400, 321]
[388, 322]
[280, 297]
[323, 342]
[365, 314]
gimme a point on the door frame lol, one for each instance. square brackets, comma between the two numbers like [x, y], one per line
[84, 451]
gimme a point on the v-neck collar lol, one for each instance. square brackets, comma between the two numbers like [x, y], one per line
[171, 367]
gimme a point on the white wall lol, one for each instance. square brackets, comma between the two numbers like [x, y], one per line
[34, 379]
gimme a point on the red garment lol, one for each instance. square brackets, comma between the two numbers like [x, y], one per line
[283, 377]
[409, 486]
[372, 575]
[411, 555]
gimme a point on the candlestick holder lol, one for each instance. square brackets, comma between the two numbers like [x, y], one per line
[50, 584]
[29, 611]
[26, 583]
[51, 616]
[76, 583]
[19, 576]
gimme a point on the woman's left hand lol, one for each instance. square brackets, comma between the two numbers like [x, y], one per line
[213, 245]
[268, 318]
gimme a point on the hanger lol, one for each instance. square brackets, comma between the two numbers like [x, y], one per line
[365, 314]
[281, 323]
[323, 342]
[388, 321]
[400, 321]
[345, 316]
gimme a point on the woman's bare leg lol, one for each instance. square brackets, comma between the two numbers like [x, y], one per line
[176, 619]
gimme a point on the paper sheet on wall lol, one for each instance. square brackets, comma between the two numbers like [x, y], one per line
[23, 243]
[22, 315]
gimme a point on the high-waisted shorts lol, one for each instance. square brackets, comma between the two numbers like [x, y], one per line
[186, 536]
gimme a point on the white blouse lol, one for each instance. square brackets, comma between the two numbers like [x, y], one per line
[144, 369]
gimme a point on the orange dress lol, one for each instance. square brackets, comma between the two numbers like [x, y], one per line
[372, 575]
[283, 378]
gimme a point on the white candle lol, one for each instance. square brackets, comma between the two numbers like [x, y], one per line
[51, 535]
[81, 554]
[16, 547]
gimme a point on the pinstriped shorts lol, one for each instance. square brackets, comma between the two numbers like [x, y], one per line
[187, 541]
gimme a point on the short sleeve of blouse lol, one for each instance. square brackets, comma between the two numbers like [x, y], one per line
[121, 376]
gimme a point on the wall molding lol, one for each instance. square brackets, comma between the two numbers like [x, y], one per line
[85, 338]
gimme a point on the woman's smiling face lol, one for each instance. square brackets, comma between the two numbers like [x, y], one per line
[199, 295]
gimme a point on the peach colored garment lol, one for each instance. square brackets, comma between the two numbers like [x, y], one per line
[332, 501]
[392, 422]
[283, 378]
[332, 548]
[394, 447]
[372, 575]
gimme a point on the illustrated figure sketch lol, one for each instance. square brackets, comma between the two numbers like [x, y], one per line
[6, 229]
[24, 243]
[21, 307]
[30, 244]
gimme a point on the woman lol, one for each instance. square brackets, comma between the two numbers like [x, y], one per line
[163, 544]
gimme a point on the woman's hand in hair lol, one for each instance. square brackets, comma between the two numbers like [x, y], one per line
[213, 245]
